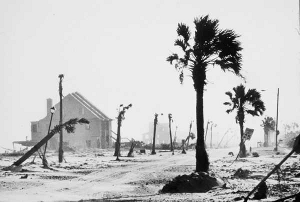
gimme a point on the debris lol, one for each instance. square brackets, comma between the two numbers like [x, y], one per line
[231, 154]
[24, 176]
[240, 173]
[194, 183]
[261, 191]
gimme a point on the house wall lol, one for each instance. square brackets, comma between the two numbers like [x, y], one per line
[94, 135]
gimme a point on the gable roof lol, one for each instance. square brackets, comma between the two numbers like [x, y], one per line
[94, 110]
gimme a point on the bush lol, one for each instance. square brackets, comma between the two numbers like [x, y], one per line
[255, 154]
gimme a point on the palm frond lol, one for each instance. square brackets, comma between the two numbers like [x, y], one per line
[227, 103]
[205, 35]
[172, 57]
[259, 106]
[252, 95]
[252, 112]
[228, 111]
[229, 94]
[181, 77]
[240, 92]
[183, 30]
[179, 42]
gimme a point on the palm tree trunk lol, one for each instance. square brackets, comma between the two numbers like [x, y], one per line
[242, 144]
[118, 141]
[202, 162]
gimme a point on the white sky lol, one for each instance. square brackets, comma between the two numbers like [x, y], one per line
[114, 52]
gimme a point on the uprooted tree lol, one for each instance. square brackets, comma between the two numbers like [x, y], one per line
[69, 126]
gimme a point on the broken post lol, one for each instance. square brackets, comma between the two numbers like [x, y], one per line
[121, 116]
[60, 150]
[154, 133]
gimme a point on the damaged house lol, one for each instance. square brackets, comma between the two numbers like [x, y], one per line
[97, 134]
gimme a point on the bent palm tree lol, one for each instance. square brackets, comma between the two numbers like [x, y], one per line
[211, 46]
[241, 101]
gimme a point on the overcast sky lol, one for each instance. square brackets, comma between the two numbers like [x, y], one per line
[114, 52]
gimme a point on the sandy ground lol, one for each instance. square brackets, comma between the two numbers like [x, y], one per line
[89, 175]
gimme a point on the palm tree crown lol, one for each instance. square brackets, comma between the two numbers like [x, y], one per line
[211, 45]
[249, 102]
[268, 124]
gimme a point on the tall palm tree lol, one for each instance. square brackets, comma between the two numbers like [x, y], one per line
[244, 103]
[210, 46]
[268, 124]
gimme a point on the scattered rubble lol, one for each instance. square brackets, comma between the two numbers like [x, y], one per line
[240, 173]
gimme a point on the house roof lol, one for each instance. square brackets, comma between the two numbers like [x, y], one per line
[94, 110]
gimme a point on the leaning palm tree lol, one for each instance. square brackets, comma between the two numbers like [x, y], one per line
[210, 46]
[268, 124]
[244, 103]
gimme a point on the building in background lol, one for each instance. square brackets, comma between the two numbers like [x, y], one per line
[163, 134]
[97, 134]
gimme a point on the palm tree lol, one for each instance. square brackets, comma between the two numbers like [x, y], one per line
[211, 46]
[244, 103]
[268, 124]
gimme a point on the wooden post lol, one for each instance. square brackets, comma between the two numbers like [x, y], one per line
[171, 142]
[276, 144]
[60, 150]
[154, 133]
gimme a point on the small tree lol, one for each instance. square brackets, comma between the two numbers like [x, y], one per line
[268, 125]
[244, 103]
[120, 118]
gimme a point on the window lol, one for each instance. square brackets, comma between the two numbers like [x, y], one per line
[34, 128]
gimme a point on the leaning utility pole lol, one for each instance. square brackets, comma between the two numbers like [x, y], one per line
[276, 131]
[60, 150]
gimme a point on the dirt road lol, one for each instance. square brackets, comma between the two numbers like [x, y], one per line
[96, 175]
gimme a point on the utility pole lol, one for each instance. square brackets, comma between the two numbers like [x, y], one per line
[154, 133]
[276, 131]
[60, 150]
[171, 142]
